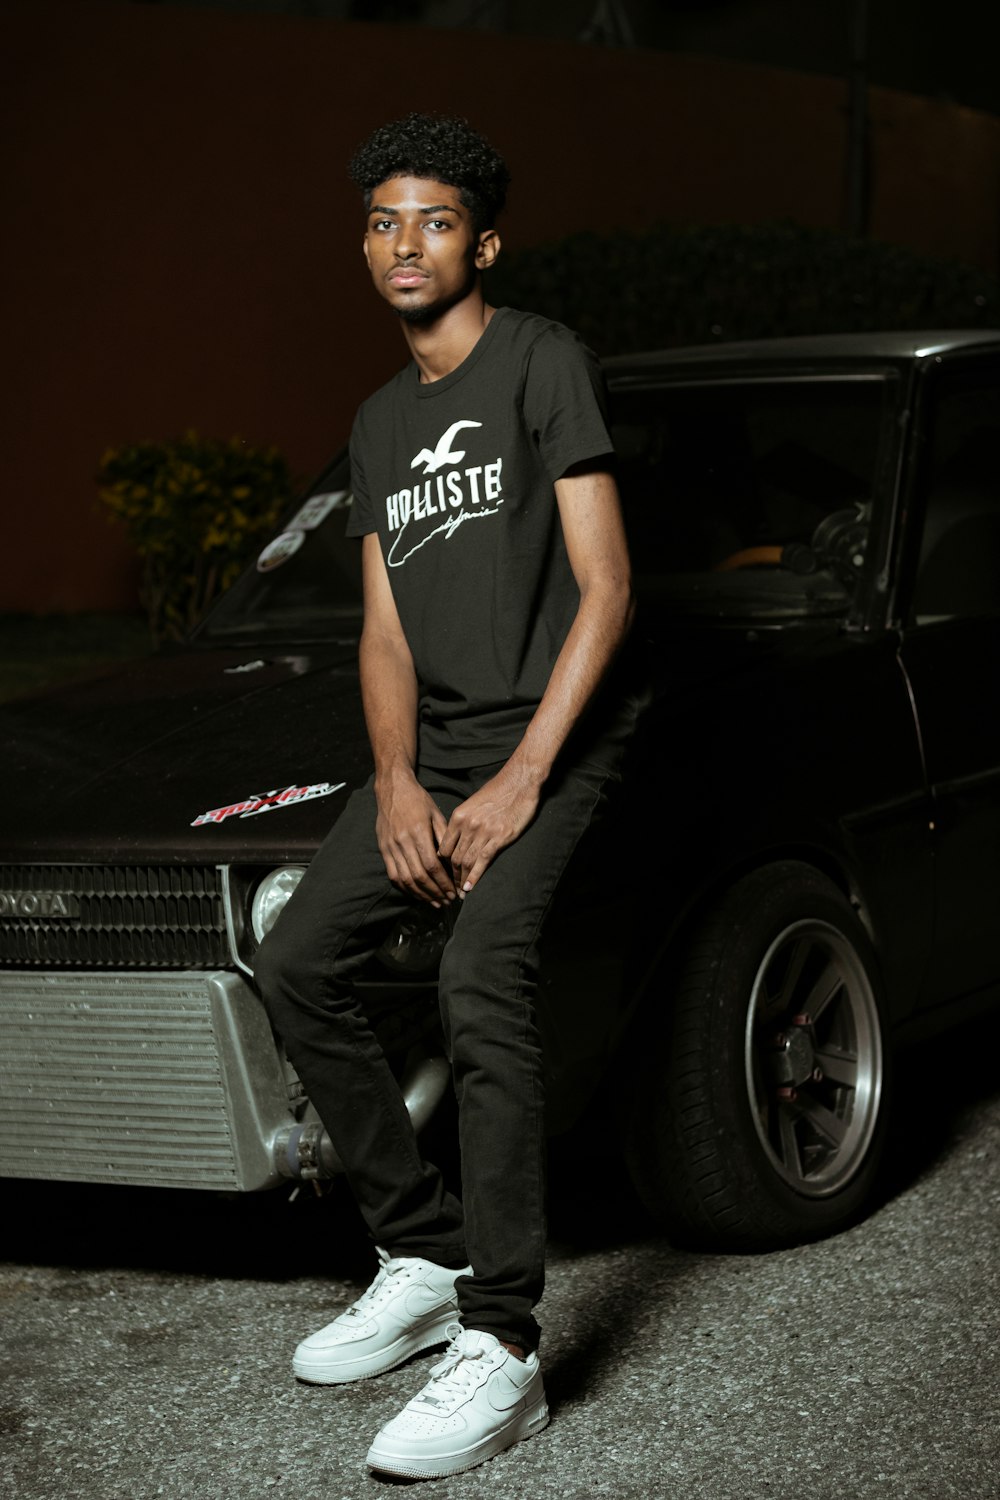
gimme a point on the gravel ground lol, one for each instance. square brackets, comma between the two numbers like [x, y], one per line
[146, 1339]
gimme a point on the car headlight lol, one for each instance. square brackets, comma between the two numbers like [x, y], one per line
[270, 897]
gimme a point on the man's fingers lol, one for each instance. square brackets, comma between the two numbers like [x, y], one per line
[469, 877]
[471, 860]
[422, 875]
[427, 877]
[439, 825]
[408, 829]
[447, 839]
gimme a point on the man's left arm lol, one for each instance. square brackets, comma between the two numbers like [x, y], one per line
[501, 810]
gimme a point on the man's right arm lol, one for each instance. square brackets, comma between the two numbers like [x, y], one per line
[410, 825]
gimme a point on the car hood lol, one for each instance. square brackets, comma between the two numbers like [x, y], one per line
[172, 758]
[125, 767]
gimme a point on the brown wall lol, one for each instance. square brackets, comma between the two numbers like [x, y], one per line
[181, 246]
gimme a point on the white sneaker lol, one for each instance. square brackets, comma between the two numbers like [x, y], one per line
[410, 1306]
[479, 1400]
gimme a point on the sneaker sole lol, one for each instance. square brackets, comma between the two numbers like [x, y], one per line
[343, 1372]
[524, 1425]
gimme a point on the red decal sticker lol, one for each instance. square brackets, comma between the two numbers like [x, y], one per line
[269, 801]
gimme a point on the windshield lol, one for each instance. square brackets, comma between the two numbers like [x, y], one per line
[751, 497]
[740, 499]
[306, 582]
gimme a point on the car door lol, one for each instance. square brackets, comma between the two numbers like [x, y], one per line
[951, 653]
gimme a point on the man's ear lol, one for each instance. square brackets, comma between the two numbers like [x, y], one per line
[487, 250]
[364, 246]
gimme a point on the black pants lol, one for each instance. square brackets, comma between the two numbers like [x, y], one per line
[336, 919]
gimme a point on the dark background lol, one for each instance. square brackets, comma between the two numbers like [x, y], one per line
[181, 245]
[946, 51]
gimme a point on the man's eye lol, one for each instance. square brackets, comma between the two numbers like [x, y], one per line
[439, 224]
[384, 224]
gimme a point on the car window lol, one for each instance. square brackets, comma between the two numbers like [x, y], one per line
[306, 581]
[958, 571]
[741, 498]
[750, 495]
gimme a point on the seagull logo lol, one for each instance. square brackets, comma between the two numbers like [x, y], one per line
[442, 453]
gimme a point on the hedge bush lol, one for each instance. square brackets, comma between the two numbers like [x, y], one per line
[195, 509]
[692, 285]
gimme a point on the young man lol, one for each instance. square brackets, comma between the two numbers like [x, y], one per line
[497, 596]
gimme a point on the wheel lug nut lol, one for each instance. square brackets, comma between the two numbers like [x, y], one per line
[802, 1020]
[788, 1096]
[817, 1075]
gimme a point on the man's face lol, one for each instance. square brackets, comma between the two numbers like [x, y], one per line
[421, 248]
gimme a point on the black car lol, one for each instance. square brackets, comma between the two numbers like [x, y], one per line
[802, 873]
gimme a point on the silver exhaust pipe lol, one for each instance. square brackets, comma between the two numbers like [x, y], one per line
[304, 1151]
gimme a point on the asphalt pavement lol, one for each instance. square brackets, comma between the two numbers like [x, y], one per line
[146, 1339]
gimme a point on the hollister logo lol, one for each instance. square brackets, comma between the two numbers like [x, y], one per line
[459, 496]
[28, 904]
[442, 453]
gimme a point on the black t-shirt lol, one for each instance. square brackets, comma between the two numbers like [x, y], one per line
[456, 476]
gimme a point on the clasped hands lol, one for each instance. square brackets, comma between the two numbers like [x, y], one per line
[437, 858]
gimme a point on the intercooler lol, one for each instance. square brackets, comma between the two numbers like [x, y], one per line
[169, 1080]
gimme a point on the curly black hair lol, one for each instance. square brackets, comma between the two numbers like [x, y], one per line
[443, 147]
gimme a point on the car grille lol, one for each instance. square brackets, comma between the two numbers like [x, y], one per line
[112, 916]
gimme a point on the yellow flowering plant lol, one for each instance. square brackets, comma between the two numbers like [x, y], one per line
[195, 509]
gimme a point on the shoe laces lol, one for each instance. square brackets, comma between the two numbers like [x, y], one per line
[385, 1286]
[457, 1374]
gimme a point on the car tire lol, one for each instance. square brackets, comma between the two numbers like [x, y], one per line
[761, 1109]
